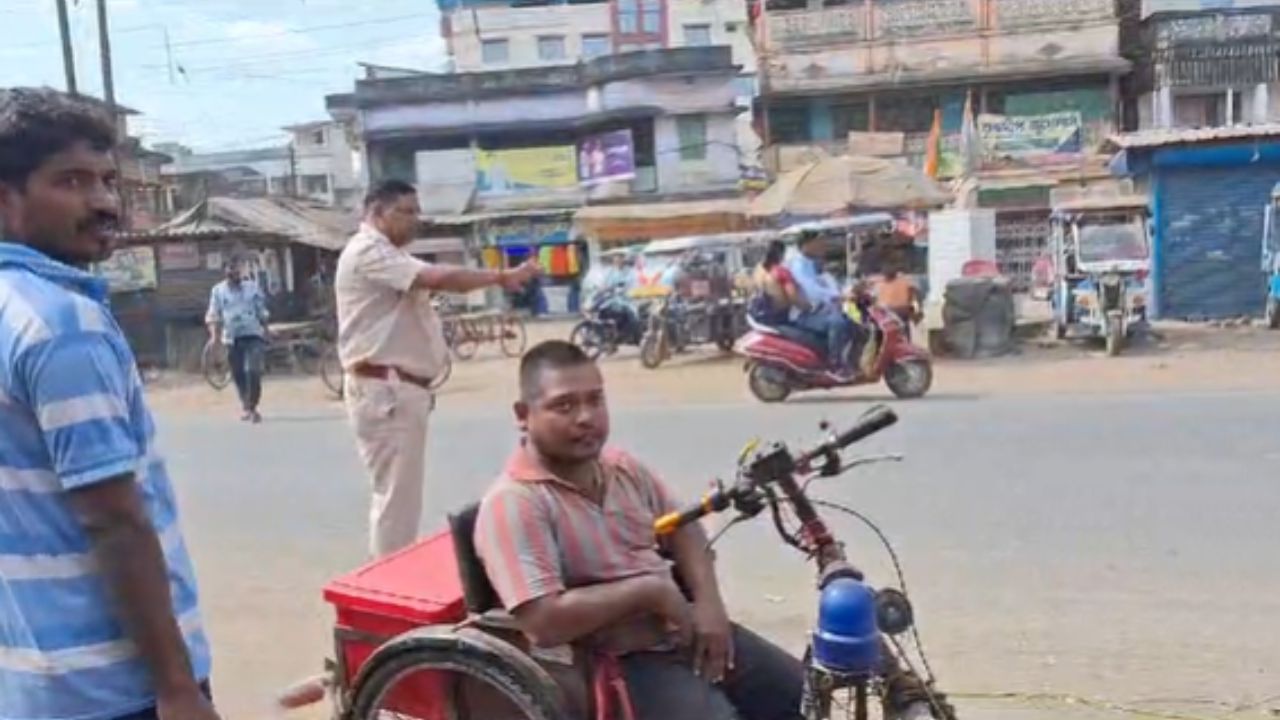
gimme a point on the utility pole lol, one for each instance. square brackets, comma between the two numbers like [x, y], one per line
[68, 60]
[293, 170]
[104, 45]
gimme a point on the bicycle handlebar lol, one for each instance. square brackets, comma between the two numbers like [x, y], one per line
[875, 420]
[721, 499]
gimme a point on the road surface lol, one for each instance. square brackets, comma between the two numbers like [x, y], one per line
[1111, 547]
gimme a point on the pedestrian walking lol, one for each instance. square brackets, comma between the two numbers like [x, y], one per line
[897, 293]
[237, 320]
[99, 616]
[391, 346]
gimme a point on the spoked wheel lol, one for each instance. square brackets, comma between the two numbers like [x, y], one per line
[215, 366]
[590, 336]
[909, 379]
[513, 336]
[460, 681]
[462, 338]
[331, 372]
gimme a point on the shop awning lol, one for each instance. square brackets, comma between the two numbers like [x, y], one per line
[611, 224]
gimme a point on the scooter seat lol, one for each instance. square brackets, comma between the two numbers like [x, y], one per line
[811, 340]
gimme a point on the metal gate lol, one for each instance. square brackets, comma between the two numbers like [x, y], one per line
[1021, 238]
[1210, 235]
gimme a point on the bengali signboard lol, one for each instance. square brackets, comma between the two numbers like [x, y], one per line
[607, 157]
[1022, 135]
[502, 172]
[129, 269]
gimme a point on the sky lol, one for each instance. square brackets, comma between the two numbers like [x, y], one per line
[234, 71]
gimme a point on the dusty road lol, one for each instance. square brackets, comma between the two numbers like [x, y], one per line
[1116, 541]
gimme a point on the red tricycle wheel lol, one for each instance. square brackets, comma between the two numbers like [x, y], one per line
[451, 677]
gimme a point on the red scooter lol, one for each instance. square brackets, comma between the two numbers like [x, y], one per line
[783, 360]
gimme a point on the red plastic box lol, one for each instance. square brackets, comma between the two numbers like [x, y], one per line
[416, 587]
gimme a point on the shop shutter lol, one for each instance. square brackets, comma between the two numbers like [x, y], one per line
[1210, 236]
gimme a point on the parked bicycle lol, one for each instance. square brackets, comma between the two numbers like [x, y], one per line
[466, 332]
[297, 348]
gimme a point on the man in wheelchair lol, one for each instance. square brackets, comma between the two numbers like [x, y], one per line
[566, 537]
[567, 542]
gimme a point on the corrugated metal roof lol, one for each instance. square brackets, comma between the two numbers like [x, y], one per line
[468, 218]
[1186, 136]
[291, 220]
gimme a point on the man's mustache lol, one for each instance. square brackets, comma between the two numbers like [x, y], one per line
[102, 221]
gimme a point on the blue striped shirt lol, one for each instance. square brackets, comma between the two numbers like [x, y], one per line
[72, 414]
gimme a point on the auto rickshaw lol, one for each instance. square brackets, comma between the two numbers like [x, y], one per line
[1101, 248]
[695, 281]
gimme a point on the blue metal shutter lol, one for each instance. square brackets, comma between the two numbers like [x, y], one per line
[1210, 241]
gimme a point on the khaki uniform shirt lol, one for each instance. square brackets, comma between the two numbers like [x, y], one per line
[381, 319]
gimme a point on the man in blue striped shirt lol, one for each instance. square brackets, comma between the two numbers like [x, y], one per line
[99, 618]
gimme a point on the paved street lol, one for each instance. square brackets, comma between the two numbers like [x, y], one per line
[1116, 547]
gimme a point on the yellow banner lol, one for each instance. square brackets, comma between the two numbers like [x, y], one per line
[526, 169]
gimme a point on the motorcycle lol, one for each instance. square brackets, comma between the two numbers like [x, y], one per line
[784, 359]
[612, 320]
[666, 331]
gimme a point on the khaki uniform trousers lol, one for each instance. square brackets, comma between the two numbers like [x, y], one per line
[390, 419]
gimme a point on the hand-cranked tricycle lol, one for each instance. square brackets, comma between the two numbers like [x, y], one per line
[421, 634]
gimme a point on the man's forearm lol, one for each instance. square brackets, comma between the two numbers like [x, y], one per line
[695, 564]
[132, 566]
[578, 613]
[453, 278]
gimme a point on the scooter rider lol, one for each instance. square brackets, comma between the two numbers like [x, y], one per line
[824, 316]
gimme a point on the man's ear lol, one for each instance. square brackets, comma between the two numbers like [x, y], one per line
[9, 196]
[522, 415]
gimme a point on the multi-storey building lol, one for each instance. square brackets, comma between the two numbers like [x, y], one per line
[1040, 80]
[507, 157]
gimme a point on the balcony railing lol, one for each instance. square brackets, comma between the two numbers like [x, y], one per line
[864, 20]
[818, 26]
[918, 18]
[1023, 13]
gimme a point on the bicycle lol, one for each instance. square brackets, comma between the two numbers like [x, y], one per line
[465, 332]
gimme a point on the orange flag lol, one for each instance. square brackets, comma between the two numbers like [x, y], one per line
[933, 153]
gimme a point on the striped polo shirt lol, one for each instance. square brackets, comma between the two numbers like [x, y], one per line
[72, 414]
[539, 535]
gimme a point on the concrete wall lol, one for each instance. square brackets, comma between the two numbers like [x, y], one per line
[960, 58]
[521, 27]
[875, 43]
[728, 23]
[332, 158]
[720, 168]
[672, 94]
[1259, 104]
[468, 28]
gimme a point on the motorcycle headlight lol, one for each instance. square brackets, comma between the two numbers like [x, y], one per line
[1139, 300]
